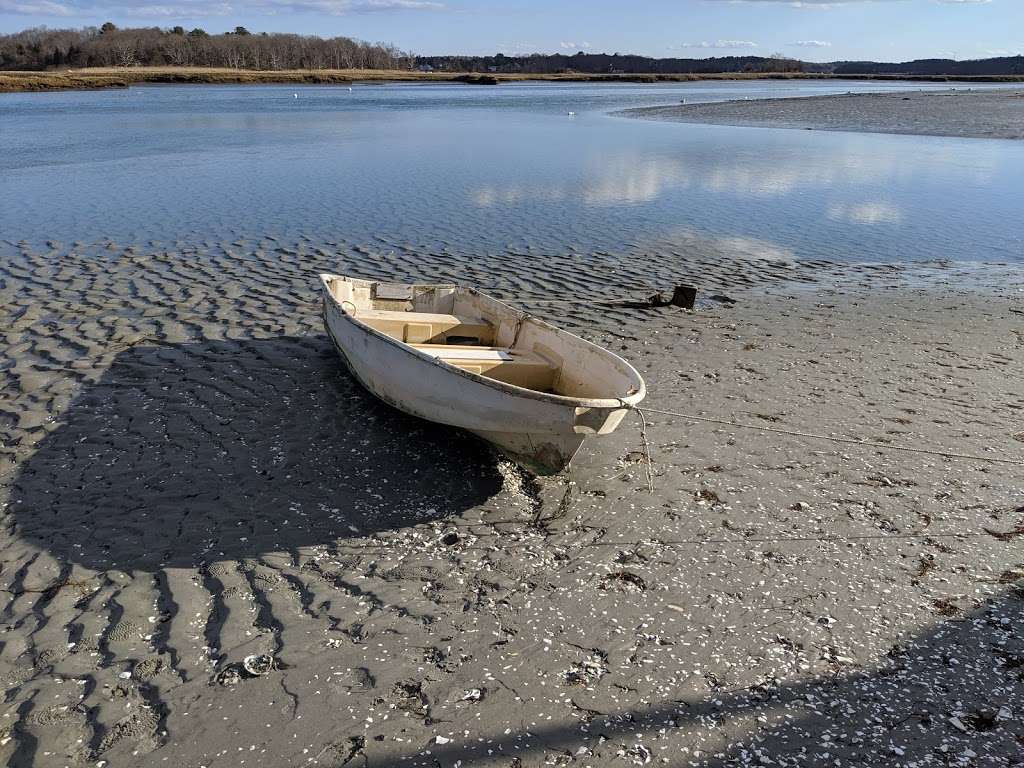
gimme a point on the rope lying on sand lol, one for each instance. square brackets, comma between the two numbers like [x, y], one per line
[642, 413]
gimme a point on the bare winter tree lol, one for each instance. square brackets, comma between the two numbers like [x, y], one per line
[108, 46]
[41, 48]
[124, 53]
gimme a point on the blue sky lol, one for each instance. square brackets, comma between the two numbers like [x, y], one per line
[815, 30]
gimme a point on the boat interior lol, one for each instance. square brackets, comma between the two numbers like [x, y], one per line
[481, 335]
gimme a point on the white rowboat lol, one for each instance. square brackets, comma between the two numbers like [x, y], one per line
[456, 356]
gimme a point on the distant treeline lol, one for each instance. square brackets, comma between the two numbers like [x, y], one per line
[1005, 65]
[604, 63]
[108, 46]
[610, 63]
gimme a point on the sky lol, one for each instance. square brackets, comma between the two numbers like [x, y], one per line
[814, 30]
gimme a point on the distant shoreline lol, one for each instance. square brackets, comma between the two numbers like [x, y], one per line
[991, 114]
[101, 78]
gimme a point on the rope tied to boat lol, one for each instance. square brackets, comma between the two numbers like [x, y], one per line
[648, 463]
[642, 413]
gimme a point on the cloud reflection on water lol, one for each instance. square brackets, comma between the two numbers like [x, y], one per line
[633, 177]
[876, 212]
[628, 178]
[699, 244]
[466, 171]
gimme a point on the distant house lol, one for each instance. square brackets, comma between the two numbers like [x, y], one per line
[425, 68]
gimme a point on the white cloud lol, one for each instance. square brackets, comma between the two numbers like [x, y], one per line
[574, 46]
[393, 5]
[725, 44]
[341, 7]
[173, 12]
[517, 48]
[35, 8]
[806, 3]
[812, 44]
[190, 9]
[832, 3]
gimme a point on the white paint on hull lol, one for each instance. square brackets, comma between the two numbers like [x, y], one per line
[543, 430]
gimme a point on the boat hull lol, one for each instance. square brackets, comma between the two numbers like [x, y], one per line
[544, 454]
[537, 430]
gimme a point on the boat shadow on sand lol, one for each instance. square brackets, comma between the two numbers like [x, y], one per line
[185, 454]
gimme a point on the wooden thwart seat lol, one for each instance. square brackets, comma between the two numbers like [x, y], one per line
[499, 363]
[427, 327]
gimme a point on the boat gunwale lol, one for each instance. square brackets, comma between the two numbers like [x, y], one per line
[627, 401]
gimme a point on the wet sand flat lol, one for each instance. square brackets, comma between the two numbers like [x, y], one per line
[968, 114]
[188, 478]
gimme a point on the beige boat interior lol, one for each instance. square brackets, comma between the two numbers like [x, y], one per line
[480, 335]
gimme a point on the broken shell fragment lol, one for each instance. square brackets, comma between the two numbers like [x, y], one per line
[258, 665]
[229, 676]
[450, 538]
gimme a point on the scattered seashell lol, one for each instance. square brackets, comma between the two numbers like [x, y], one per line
[450, 538]
[258, 665]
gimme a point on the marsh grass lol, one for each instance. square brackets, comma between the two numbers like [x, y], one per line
[122, 77]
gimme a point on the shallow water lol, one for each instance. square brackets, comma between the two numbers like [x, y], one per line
[187, 477]
[458, 171]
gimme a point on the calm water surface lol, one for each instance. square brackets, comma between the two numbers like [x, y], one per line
[468, 169]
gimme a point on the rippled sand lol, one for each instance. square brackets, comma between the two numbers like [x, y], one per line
[189, 478]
